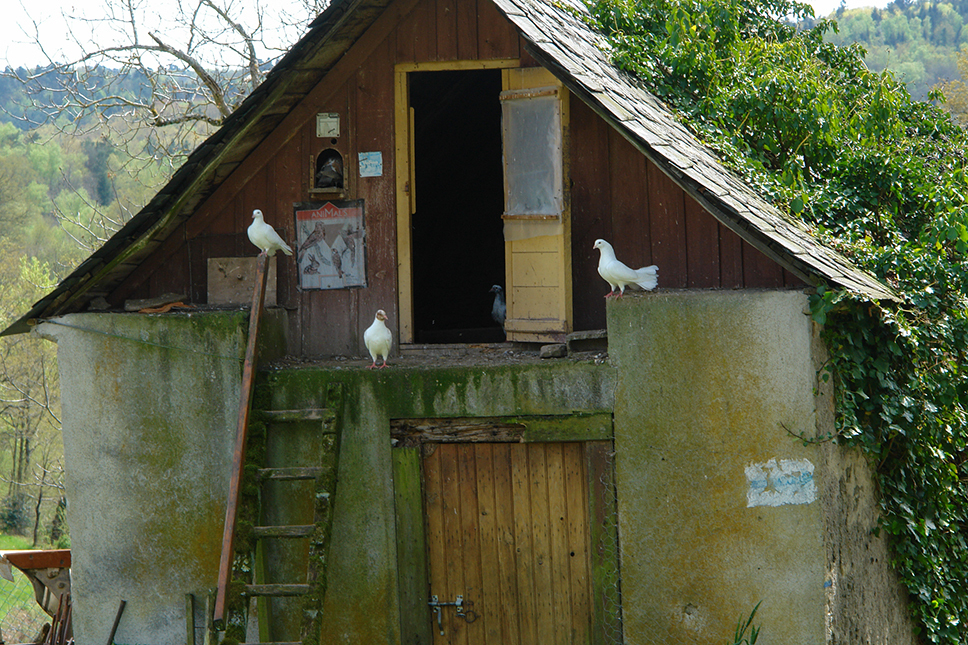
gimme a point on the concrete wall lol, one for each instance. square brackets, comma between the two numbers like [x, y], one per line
[865, 601]
[361, 606]
[720, 506]
[150, 406]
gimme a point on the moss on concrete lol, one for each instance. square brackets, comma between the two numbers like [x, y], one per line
[358, 566]
[709, 383]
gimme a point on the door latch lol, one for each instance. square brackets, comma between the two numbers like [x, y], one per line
[469, 616]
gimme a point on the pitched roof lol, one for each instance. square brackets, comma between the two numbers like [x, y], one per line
[575, 53]
[557, 39]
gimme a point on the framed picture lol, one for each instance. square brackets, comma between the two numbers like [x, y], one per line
[331, 244]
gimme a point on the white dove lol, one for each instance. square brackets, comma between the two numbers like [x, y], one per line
[619, 275]
[265, 237]
[378, 338]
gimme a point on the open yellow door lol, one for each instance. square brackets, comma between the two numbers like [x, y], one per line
[537, 218]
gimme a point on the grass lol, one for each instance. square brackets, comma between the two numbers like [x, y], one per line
[20, 616]
[15, 543]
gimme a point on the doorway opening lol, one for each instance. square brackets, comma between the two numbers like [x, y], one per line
[457, 233]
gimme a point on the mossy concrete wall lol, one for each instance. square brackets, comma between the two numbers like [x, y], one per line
[150, 405]
[149, 410]
[361, 602]
[721, 507]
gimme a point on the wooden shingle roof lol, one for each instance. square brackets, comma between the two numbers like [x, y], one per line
[575, 53]
[557, 39]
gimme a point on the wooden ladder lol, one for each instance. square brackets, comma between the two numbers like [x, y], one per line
[245, 538]
[290, 526]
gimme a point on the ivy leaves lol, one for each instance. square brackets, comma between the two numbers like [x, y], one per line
[880, 177]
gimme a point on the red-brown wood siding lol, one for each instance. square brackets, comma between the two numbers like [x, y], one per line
[616, 193]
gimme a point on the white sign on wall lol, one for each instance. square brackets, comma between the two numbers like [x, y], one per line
[780, 482]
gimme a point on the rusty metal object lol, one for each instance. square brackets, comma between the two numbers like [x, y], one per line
[48, 571]
[60, 632]
[117, 619]
[238, 458]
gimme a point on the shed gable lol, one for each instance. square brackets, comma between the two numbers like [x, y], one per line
[615, 192]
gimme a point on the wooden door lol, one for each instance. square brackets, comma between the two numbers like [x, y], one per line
[507, 529]
[537, 217]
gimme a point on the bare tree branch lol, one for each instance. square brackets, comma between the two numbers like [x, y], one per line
[155, 85]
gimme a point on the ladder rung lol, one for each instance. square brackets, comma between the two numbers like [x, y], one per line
[294, 531]
[277, 590]
[308, 414]
[280, 474]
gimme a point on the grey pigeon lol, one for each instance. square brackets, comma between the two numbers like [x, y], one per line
[618, 275]
[330, 175]
[265, 237]
[378, 338]
[499, 309]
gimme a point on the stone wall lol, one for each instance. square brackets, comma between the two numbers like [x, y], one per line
[149, 409]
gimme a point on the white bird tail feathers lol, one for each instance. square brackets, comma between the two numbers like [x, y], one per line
[648, 277]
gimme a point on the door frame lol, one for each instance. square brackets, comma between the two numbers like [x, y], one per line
[405, 188]
[409, 435]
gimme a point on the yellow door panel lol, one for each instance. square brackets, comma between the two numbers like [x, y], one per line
[535, 270]
[538, 265]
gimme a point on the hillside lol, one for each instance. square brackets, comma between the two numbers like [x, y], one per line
[918, 41]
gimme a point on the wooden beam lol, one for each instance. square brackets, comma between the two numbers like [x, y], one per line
[238, 457]
[56, 559]
[526, 429]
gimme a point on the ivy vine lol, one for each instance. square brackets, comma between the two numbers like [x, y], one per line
[878, 176]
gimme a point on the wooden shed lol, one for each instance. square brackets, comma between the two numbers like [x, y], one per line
[410, 97]
[416, 152]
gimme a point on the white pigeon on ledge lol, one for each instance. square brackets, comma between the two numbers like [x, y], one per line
[265, 237]
[378, 338]
[618, 275]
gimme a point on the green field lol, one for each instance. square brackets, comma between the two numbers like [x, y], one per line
[21, 618]
[14, 543]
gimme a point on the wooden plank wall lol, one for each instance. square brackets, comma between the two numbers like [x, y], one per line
[276, 175]
[616, 194]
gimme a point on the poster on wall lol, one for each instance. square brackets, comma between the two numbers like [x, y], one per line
[331, 244]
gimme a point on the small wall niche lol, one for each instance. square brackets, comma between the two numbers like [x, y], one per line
[327, 175]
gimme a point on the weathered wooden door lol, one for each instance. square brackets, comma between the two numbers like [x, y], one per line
[507, 530]
[537, 217]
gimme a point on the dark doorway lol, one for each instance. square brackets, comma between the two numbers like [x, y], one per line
[457, 231]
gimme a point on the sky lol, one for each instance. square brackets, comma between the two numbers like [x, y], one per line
[16, 31]
[822, 8]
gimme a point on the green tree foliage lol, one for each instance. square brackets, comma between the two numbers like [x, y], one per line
[879, 176]
[956, 92]
[35, 249]
[918, 41]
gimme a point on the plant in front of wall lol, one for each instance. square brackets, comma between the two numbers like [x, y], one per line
[740, 638]
[879, 177]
